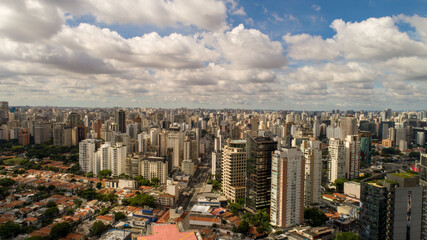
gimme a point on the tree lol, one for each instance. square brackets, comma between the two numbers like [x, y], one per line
[119, 215]
[51, 188]
[235, 208]
[10, 230]
[75, 168]
[78, 202]
[98, 228]
[315, 217]
[155, 181]
[104, 173]
[51, 213]
[141, 199]
[89, 175]
[339, 184]
[242, 228]
[60, 230]
[346, 236]
[50, 204]
[6, 182]
[414, 155]
[69, 211]
[98, 185]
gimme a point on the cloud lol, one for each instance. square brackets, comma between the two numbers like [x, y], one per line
[365, 63]
[371, 39]
[249, 48]
[316, 7]
[29, 20]
[277, 18]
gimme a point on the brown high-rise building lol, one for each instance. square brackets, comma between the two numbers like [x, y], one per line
[24, 136]
[348, 127]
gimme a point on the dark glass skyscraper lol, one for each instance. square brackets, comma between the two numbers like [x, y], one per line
[258, 181]
[121, 120]
[365, 148]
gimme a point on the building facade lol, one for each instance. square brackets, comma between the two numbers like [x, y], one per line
[336, 164]
[258, 175]
[234, 170]
[287, 188]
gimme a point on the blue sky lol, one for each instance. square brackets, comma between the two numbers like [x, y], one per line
[312, 55]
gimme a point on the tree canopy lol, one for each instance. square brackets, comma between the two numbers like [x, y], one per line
[6, 182]
[315, 217]
[60, 230]
[10, 230]
[141, 199]
[98, 228]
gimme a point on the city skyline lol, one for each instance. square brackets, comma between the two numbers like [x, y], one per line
[211, 54]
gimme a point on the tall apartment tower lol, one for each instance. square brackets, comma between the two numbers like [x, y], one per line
[391, 208]
[120, 119]
[287, 188]
[234, 170]
[143, 142]
[352, 155]
[259, 151]
[313, 171]
[337, 159]
[118, 159]
[4, 112]
[86, 155]
[348, 126]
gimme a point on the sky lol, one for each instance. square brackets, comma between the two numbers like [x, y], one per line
[251, 54]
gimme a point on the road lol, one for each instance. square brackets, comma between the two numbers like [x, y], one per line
[200, 177]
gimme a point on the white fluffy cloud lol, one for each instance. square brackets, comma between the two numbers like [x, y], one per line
[367, 63]
[372, 39]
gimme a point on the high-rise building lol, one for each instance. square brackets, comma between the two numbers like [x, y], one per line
[24, 136]
[154, 167]
[365, 148]
[287, 188]
[258, 171]
[352, 155]
[42, 132]
[391, 207]
[4, 112]
[120, 119]
[313, 171]
[337, 160]
[401, 133]
[105, 156]
[118, 159]
[234, 170]
[87, 155]
[348, 126]
[143, 142]
[73, 120]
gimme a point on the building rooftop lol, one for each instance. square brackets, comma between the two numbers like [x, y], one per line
[115, 234]
[199, 208]
[404, 174]
[169, 232]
